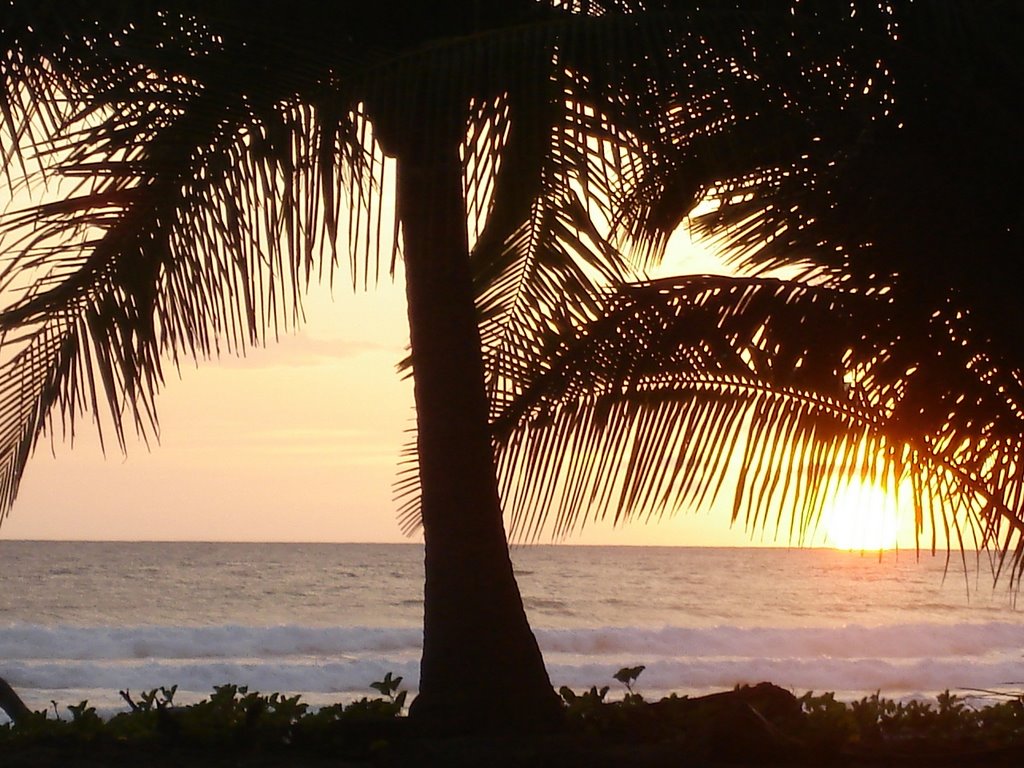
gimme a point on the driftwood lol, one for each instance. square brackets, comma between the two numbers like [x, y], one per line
[11, 703]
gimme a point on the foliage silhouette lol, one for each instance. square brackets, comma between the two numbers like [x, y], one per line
[749, 724]
[888, 351]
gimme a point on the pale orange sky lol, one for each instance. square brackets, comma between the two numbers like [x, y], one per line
[296, 442]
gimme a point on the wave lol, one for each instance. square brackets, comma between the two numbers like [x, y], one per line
[352, 676]
[852, 678]
[33, 642]
[324, 677]
[850, 641]
[71, 663]
[40, 682]
[29, 642]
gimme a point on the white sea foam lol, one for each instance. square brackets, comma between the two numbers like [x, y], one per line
[865, 675]
[202, 676]
[914, 658]
[896, 641]
[852, 641]
[27, 642]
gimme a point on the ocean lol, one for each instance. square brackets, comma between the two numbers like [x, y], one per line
[86, 620]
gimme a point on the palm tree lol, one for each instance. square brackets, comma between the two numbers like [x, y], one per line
[180, 115]
[893, 352]
[212, 148]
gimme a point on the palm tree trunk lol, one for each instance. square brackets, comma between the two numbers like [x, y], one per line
[481, 667]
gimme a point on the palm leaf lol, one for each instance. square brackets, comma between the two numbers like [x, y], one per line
[923, 192]
[164, 247]
[677, 385]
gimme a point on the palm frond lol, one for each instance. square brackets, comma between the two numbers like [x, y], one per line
[677, 384]
[608, 152]
[924, 191]
[628, 119]
[200, 216]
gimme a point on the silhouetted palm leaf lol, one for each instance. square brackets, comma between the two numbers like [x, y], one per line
[796, 388]
[923, 198]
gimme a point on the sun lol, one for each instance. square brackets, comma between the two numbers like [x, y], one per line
[862, 516]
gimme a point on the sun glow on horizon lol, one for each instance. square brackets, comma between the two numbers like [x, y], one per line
[862, 516]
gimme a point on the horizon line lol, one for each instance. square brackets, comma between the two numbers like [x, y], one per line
[512, 544]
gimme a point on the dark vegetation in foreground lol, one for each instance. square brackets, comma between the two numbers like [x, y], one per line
[751, 725]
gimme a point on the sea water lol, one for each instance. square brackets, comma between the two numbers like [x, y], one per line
[87, 620]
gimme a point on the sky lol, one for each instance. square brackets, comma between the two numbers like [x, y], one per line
[298, 441]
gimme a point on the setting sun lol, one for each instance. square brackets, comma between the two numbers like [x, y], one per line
[862, 516]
